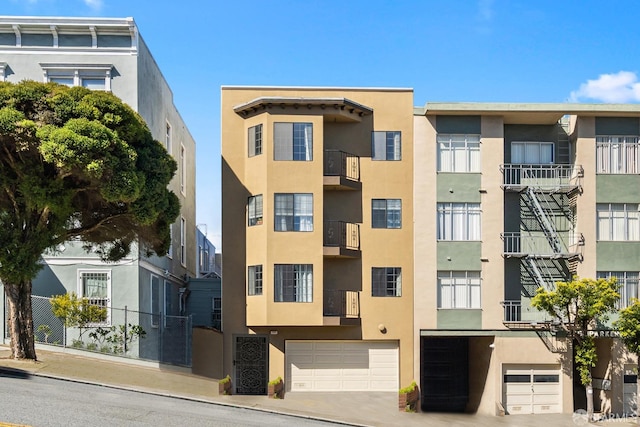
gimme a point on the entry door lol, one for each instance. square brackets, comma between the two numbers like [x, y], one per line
[251, 364]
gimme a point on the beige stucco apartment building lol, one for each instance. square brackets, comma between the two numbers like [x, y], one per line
[318, 224]
[368, 243]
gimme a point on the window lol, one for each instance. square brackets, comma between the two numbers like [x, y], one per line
[168, 301]
[94, 77]
[183, 170]
[167, 138]
[617, 154]
[386, 213]
[386, 146]
[458, 221]
[155, 301]
[618, 221]
[458, 289]
[255, 210]
[254, 280]
[386, 281]
[458, 153]
[95, 286]
[293, 141]
[255, 140]
[627, 282]
[293, 283]
[294, 212]
[170, 250]
[183, 237]
[216, 313]
[535, 153]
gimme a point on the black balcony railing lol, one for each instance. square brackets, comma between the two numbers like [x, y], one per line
[339, 163]
[342, 234]
[341, 303]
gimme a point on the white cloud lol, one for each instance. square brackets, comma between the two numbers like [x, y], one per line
[93, 4]
[611, 88]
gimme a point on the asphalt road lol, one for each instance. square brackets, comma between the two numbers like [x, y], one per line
[37, 401]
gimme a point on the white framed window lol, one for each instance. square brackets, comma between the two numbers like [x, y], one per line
[183, 238]
[386, 145]
[183, 170]
[293, 212]
[91, 76]
[293, 283]
[95, 286]
[627, 282]
[167, 137]
[532, 152]
[458, 153]
[617, 154]
[155, 301]
[255, 140]
[459, 289]
[459, 221]
[254, 280]
[386, 213]
[170, 250]
[386, 281]
[216, 313]
[618, 221]
[293, 141]
[254, 210]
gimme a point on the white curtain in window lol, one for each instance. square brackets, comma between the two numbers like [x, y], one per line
[94, 285]
[474, 153]
[379, 146]
[517, 153]
[444, 156]
[459, 154]
[396, 146]
[633, 230]
[546, 153]
[603, 222]
[458, 222]
[461, 297]
[445, 289]
[283, 212]
[398, 272]
[308, 140]
[474, 289]
[617, 222]
[444, 223]
[304, 283]
[303, 208]
[474, 222]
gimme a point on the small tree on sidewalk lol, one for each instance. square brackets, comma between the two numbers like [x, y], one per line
[628, 325]
[577, 306]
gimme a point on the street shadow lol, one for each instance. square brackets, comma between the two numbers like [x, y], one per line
[14, 373]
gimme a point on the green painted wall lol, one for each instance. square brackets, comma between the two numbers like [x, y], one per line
[458, 124]
[617, 256]
[459, 319]
[461, 256]
[617, 188]
[617, 126]
[458, 187]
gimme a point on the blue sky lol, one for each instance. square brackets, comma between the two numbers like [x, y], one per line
[446, 50]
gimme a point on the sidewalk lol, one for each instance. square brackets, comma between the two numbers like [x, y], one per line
[371, 409]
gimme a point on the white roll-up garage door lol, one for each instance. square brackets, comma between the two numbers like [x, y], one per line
[532, 390]
[629, 390]
[342, 366]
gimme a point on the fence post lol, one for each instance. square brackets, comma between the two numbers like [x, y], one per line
[125, 330]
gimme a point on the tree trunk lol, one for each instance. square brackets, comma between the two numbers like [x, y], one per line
[589, 388]
[20, 320]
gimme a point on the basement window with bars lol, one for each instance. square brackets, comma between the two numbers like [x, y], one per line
[95, 286]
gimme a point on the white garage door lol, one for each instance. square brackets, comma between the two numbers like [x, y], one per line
[630, 402]
[528, 390]
[342, 366]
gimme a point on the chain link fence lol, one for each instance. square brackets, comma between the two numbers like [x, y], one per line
[127, 333]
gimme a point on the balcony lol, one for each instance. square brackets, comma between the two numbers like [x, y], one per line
[518, 317]
[551, 245]
[341, 171]
[341, 239]
[341, 308]
[547, 178]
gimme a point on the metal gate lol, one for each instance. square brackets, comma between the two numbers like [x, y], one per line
[251, 360]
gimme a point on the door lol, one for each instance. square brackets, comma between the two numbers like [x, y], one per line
[529, 390]
[251, 361]
[629, 390]
[342, 366]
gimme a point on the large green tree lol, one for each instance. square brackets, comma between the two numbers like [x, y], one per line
[578, 306]
[74, 164]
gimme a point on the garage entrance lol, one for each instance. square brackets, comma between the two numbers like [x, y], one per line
[531, 390]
